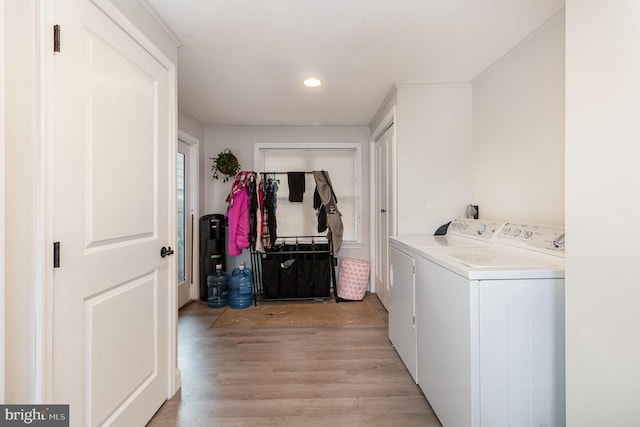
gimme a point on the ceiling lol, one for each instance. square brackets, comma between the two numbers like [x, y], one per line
[242, 62]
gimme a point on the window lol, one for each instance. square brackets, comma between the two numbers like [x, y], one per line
[341, 161]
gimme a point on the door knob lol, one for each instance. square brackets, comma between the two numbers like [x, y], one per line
[166, 251]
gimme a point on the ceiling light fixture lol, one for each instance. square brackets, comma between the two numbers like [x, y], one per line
[312, 82]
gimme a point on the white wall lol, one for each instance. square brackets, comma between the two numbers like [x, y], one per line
[432, 154]
[602, 202]
[241, 139]
[433, 146]
[518, 131]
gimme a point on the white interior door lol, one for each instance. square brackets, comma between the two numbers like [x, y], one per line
[113, 158]
[383, 212]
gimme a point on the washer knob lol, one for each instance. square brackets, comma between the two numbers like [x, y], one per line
[559, 242]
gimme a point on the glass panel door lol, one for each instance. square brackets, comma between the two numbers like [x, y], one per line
[182, 218]
[184, 223]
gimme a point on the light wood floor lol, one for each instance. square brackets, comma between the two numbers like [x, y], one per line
[288, 376]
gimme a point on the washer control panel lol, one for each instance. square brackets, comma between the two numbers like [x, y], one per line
[474, 228]
[545, 238]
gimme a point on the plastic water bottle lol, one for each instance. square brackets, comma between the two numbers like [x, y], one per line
[241, 287]
[218, 287]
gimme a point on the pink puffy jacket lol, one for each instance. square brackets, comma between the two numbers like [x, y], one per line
[238, 215]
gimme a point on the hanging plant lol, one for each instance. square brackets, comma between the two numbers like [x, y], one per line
[225, 164]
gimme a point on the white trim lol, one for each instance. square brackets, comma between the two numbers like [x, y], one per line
[196, 121]
[394, 179]
[44, 203]
[357, 147]
[388, 120]
[178, 378]
[187, 139]
[431, 85]
[372, 213]
[173, 369]
[2, 168]
[194, 191]
[161, 22]
[130, 28]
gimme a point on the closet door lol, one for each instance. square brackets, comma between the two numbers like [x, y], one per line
[383, 212]
[113, 156]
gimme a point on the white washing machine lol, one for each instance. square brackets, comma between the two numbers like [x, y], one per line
[462, 233]
[490, 329]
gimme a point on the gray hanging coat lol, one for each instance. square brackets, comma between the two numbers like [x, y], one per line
[334, 217]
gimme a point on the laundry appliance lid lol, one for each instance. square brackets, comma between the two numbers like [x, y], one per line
[494, 261]
[493, 257]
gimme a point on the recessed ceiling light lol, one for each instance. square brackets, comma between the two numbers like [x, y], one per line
[312, 82]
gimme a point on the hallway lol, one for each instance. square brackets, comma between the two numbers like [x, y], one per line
[290, 376]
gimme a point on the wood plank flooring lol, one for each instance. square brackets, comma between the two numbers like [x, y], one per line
[290, 376]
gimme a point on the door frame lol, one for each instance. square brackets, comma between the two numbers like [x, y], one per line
[388, 121]
[2, 220]
[44, 300]
[194, 190]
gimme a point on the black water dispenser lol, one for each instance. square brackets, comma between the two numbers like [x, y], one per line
[212, 248]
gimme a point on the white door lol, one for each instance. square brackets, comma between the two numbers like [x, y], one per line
[185, 218]
[112, 188]
[383, 214]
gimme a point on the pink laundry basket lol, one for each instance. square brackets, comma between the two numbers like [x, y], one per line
[353, 278]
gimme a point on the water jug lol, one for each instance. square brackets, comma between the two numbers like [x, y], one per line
[241, 287]
[218, 287]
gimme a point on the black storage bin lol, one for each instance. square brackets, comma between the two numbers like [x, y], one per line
[314, 271]
[322, 275]
[271, 275]
[304, 280]
[300, 270]
[212, 248]
[288, 285]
